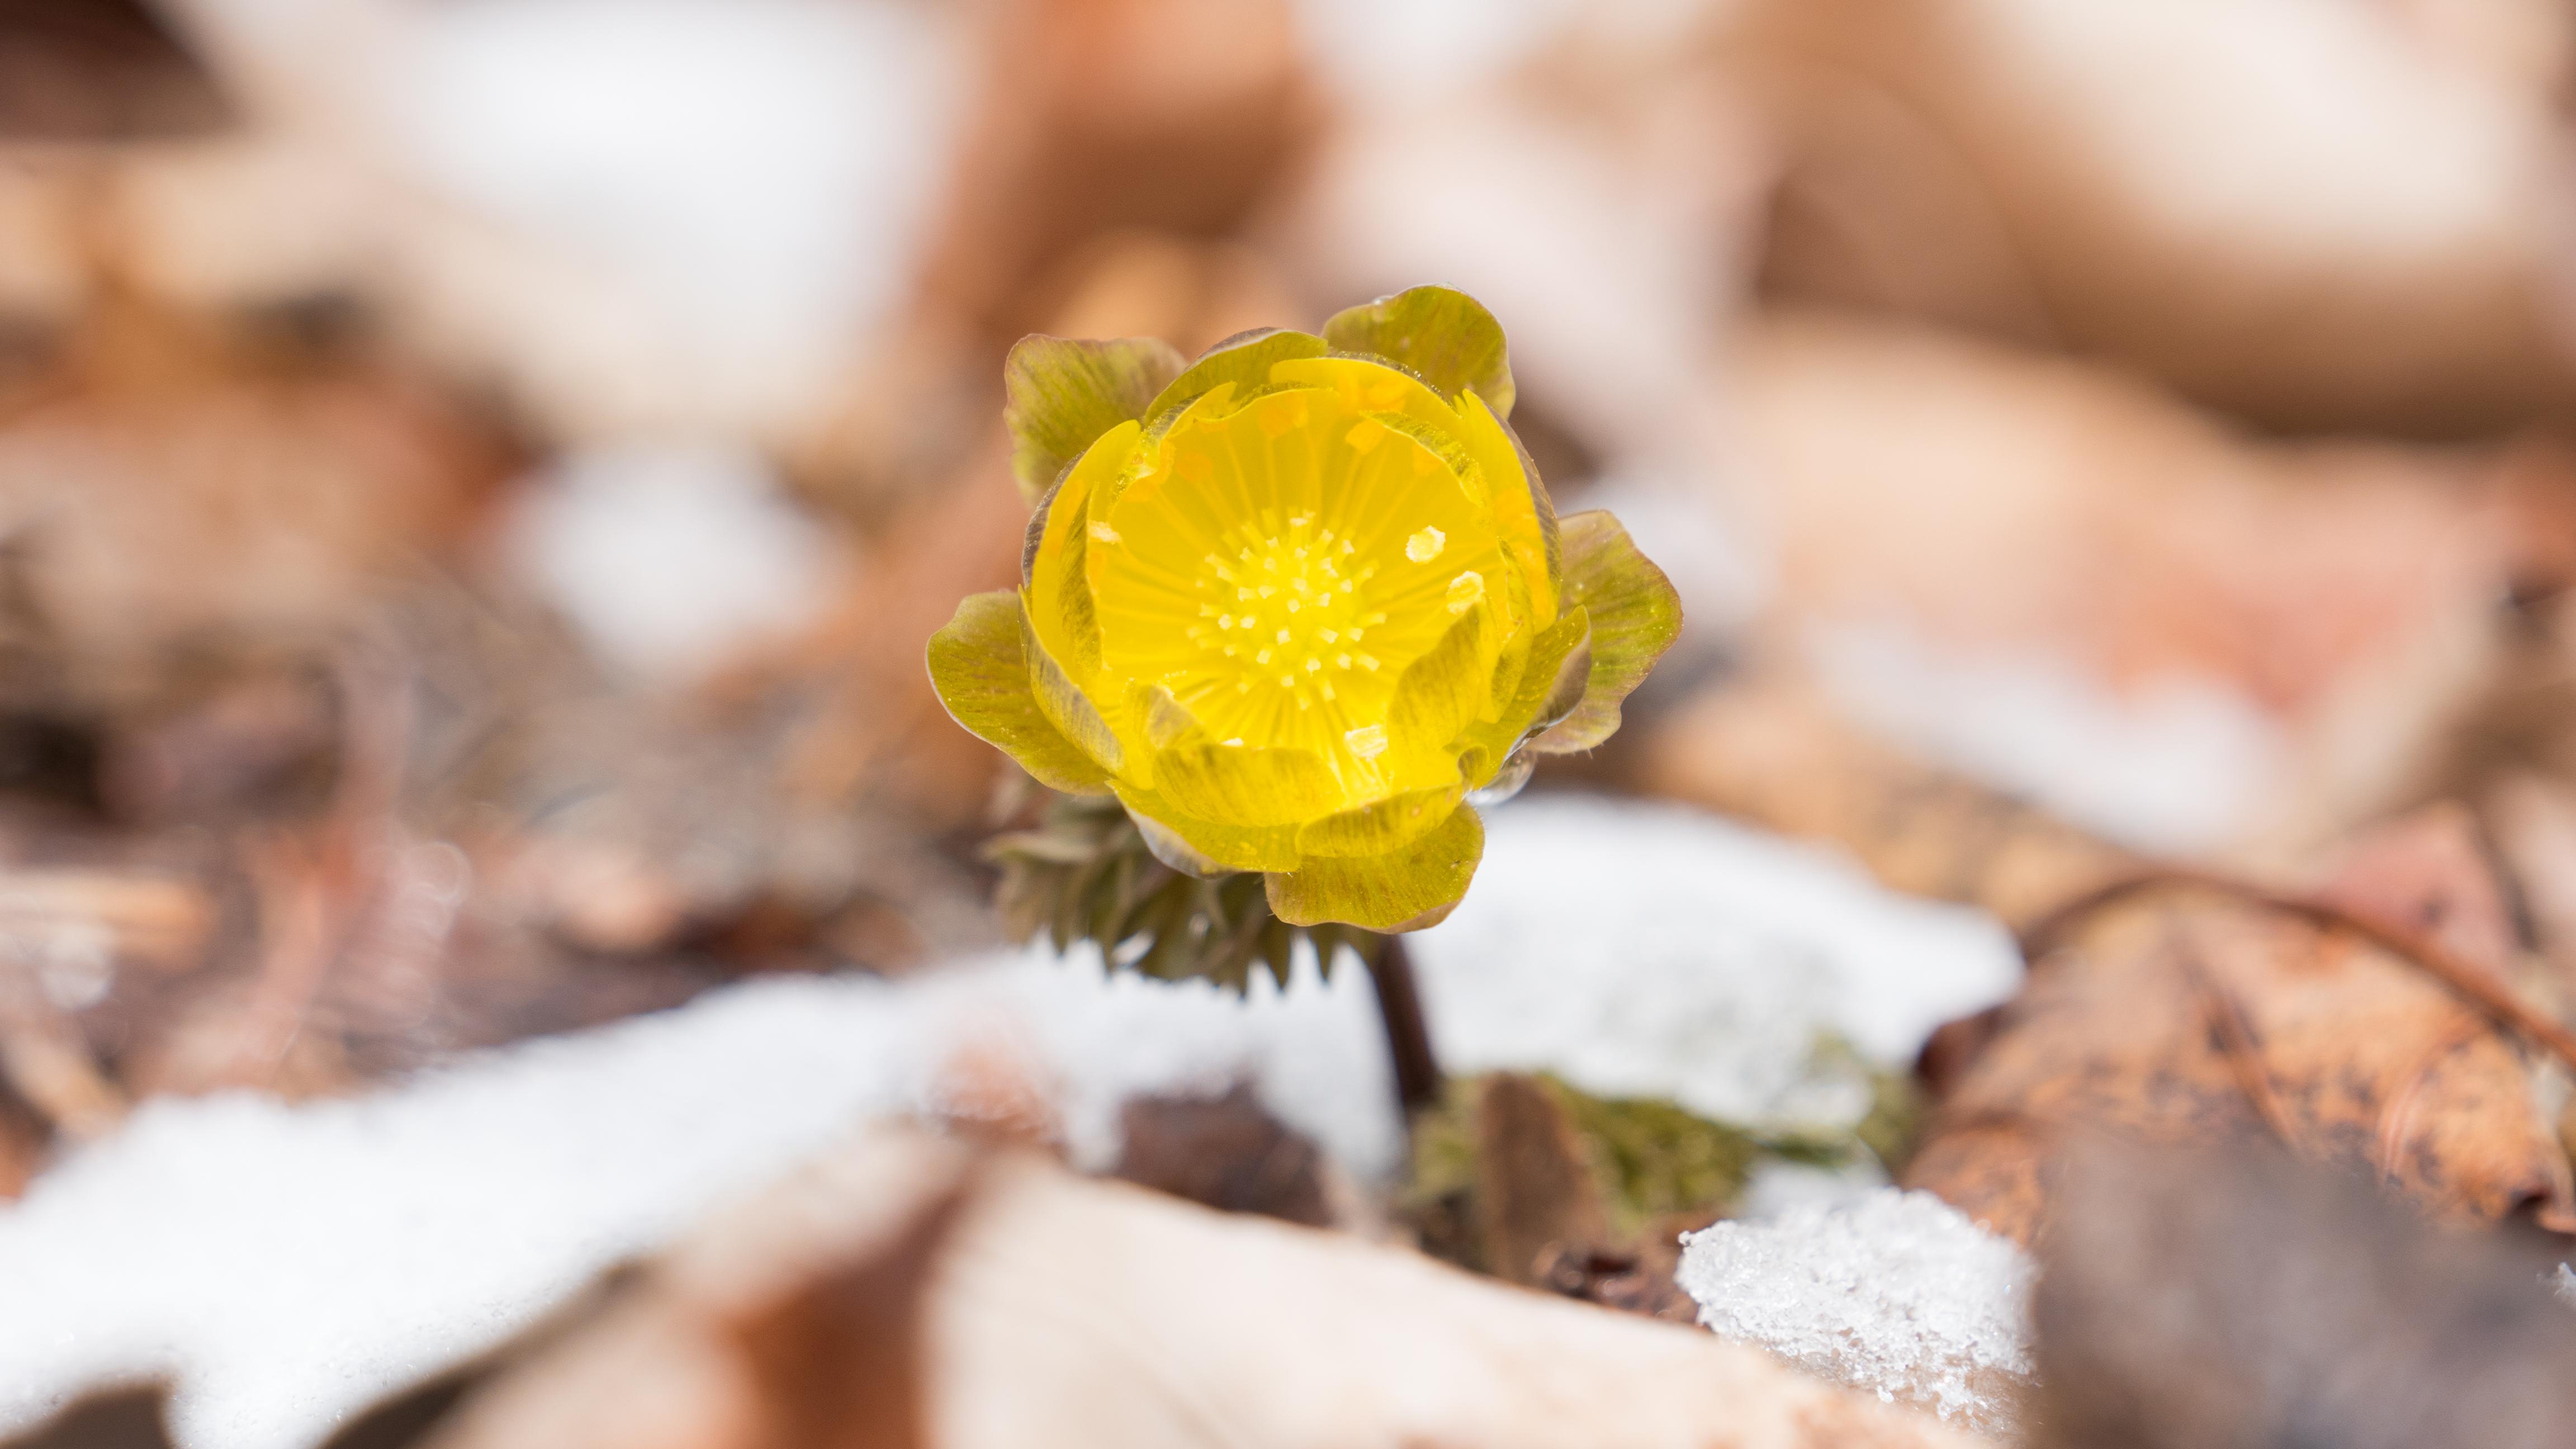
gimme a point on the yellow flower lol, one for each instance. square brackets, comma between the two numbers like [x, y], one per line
[1298, 603]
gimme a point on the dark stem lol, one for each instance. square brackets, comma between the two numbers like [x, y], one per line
[1408, 1039]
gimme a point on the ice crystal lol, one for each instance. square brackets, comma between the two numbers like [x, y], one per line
[1897, 1294]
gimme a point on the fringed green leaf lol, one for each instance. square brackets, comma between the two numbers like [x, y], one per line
[1635, 618]
[1444, 335]
[1062, 395]
[978, 666]
[1245, 359]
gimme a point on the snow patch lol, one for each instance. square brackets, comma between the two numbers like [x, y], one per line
[1641, 950]
[1778, 1187]
[758, 175]
[288, 1265]
[1897, 1294]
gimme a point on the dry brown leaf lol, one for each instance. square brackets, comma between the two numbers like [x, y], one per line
[2314, 214]
[880, 729]
[1075, 1313]
[118, 1418]
[178, 492]
[2188, 1012]
[1535, 1190]
[2010, 499]
[1226, 1152]
[2534, 823]
[104, 72]
[158, 922]
[2167, 1006]
[2430, 875]
[2232, 1300]
[1771, 750]
[2307, 620]
[1098, 115]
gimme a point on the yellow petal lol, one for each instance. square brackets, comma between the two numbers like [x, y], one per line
[1518, 501]
[1188, 843]
[977, 665]
[1442, 692]
[1383, 826]
[1240, 785]
[1245, 359]
[1635, 618]
[1053, 564]
[1368, 386]
[1403, 890]
[1262, 571]
[1546, 681]
[1067, 707]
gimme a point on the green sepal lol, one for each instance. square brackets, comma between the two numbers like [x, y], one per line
[1245, 359]
[1443, 335]
[1403, 890]
[1635, 618]
[979, 667]
[1061, 395]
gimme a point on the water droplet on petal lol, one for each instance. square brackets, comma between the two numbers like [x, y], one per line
[1507, 781]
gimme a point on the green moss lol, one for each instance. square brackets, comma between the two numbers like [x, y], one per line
[1894, 1126]
[1440, 1199]
[1653, 1161]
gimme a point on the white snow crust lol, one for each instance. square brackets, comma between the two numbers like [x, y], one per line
[287, 1265]
[1644, 950]
[1897, 1294]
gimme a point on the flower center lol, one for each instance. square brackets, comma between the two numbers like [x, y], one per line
[1286, 606]
[1277, 568]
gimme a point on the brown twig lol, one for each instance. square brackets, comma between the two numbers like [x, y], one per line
[2464, 978]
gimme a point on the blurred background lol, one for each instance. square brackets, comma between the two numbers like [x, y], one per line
[476, 476]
